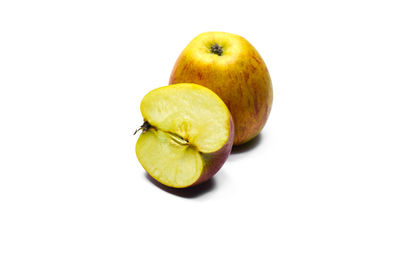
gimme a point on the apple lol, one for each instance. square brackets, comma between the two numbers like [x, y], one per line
[230, 66]
[186, 136]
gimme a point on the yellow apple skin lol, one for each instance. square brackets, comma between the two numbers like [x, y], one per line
[239, 76]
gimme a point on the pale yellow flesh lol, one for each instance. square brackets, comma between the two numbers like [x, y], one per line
[187, 120]
[170, 163]
[191, 111]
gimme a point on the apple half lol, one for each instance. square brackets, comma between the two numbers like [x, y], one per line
[187, 134]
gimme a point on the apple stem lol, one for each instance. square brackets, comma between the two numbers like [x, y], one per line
[145, 127]
[216, 49]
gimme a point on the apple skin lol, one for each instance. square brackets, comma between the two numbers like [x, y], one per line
[239, 77]
[215, 160]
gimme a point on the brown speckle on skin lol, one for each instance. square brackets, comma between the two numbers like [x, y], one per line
[246, 76]
[227, 103]
[185, 67]
[256, 107]
[240, 91]
[256, 59]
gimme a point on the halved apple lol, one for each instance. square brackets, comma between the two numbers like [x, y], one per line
[186, 136]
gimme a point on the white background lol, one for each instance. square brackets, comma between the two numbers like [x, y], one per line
[319, 187]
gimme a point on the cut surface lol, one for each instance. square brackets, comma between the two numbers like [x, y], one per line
[184, 122]
[168, 162]
[190, 111]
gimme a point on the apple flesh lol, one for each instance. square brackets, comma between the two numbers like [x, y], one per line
[230, 66]
[187, 134]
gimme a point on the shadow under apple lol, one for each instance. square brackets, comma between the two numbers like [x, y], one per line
[247, 146]
[189, 192]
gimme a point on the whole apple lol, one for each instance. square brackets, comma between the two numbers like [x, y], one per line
[230, 66]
